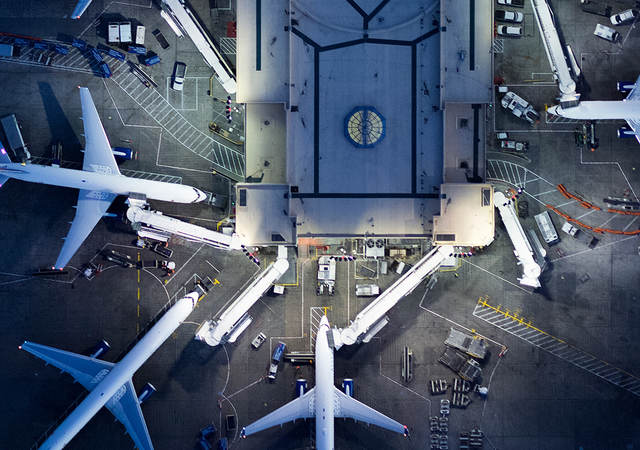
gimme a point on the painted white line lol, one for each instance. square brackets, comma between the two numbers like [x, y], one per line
[593, 249]
[497, 276]
[586, 214]
[185, 264]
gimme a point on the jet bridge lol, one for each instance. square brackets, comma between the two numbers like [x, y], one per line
[373, 318]
[235, 319]
[555, 52]
[194, 233]
[522, 248]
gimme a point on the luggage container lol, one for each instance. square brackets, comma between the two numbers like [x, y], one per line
[140, 35]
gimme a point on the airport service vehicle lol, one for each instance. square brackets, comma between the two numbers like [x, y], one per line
[118, 258]
[6, 50]
[627, 109]
[258, 340]
[326, 275]
[509, 16]
[14, 137]
[99, 181]
[124, 153]
[623, 17]
[606, 33]
[140, 30]
[519, 107]
[367, 290]
[179, 72]
[110, 384]
[545, 225]
[151, 60]
[161, 39]
[324, 402]
[137, 49]
[125, 32]
[514, 146]
[113, 33]
[275, 360]
[506, 30]
[517, 3]
[595, 7]
[467, 368]
[79, 44]
[466, 343]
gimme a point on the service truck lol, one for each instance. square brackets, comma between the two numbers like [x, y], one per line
[14, 137]
[595, 7]
[113, 36]
[125, 32]
[519, 107]
[275, 360]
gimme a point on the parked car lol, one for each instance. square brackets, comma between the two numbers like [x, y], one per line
[606, 33]
[514, 146]
[506, 30]
[258, 340]
[501, 135]
[625, 16]
[518, 3]
[179, 72]
[509, 16]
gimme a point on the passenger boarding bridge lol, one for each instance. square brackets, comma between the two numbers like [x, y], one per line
[181, 19]
[373, 318]
[556, 54]
[156, 225]
[235, 319]
[522, 248]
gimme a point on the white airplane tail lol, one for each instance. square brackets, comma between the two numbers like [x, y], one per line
[4, 159]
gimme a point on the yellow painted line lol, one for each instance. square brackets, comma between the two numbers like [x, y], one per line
[483, 302]
[138, 295]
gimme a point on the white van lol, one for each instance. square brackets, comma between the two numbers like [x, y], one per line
[606, 33]
[623, 17]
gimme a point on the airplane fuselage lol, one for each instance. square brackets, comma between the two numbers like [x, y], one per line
[102, 182]
[109, 384]
[324, 398]
[599, 110]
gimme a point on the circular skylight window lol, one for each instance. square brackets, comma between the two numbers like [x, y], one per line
[364, 127]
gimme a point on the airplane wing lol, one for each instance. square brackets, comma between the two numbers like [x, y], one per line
[635, 126]
[634, 96]
[89, 372]
[91, 207]
[86, 371]
[300, 408]
[349, 407]
[98, 155]
[125, 407]
[80, 8]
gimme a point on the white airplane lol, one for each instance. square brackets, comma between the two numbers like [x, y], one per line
[110, 384]
[627, 109]
[324, 401]
[80, 8]
[99, 181]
